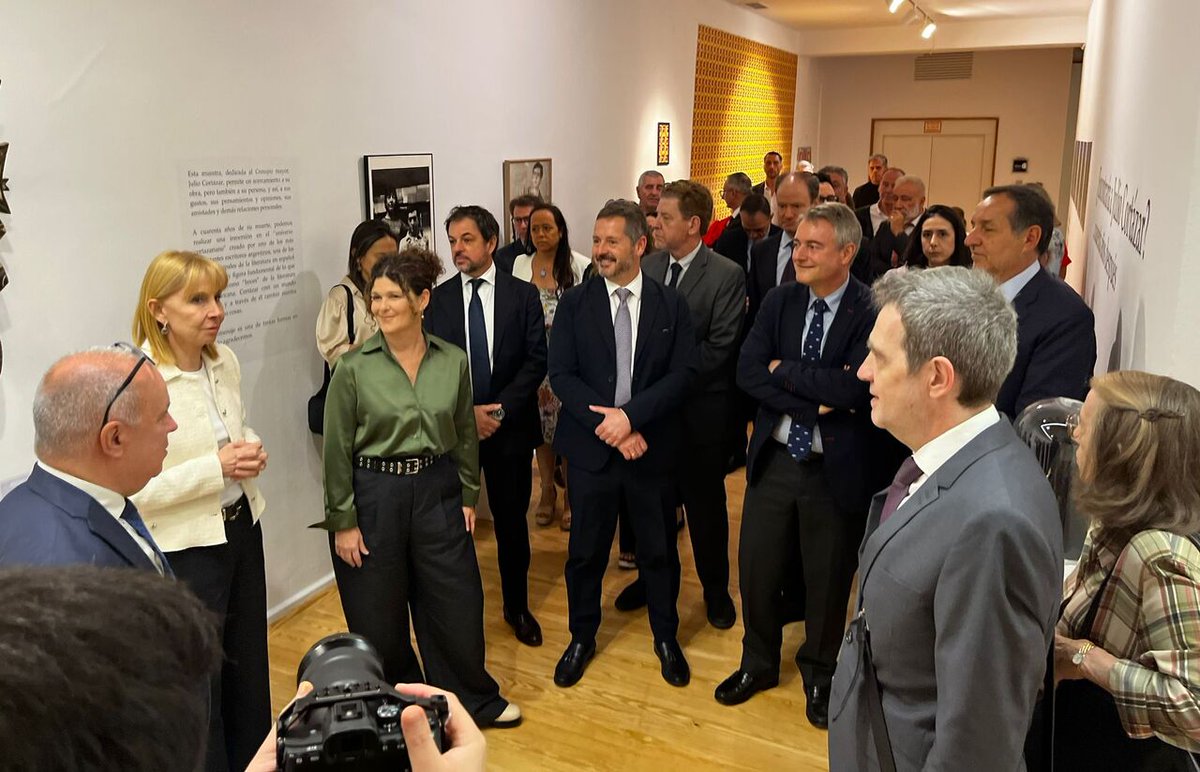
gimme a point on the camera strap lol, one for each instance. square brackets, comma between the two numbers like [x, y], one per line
[879, 730]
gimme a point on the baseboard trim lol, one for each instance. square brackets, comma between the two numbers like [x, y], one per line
[280, 610]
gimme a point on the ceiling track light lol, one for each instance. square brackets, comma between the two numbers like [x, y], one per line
[915, 15]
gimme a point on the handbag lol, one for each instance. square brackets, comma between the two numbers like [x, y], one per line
[316, 403]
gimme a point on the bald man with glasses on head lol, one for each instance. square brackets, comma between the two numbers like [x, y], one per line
[101, 422]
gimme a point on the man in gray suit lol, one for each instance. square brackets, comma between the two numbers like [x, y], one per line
[715, 290]
[961, 568]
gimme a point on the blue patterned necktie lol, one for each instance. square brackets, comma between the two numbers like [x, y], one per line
[131, 516]
[623, 332]
[481, 366]
[800, 437]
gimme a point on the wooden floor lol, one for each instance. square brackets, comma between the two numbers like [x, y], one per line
[622, 715]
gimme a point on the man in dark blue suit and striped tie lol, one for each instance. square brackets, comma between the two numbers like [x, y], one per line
[100, 422]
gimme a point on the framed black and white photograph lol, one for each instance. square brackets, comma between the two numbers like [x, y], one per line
[399, 191]
[527, 176]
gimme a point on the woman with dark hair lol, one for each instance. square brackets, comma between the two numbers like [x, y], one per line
[553, 268]
[1127, 643]
[370, 240]
[401, 482]
[938, 238]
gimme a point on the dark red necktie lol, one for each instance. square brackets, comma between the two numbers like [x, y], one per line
[908, 474]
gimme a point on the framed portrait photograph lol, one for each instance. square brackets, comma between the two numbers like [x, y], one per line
[527, 176]
[399, 191]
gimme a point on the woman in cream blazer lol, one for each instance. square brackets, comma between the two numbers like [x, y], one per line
[203, 508]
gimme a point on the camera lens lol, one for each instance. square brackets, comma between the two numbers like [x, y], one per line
[338, 660]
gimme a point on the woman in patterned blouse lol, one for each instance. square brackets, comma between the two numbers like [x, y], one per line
[1127, 644]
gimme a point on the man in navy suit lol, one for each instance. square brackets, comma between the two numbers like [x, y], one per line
[100, 424]
[771, 258]
[1056, 331]
[812, 461]
[498, 321]
[622, 357]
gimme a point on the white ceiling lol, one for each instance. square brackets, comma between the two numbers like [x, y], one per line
[834, 14]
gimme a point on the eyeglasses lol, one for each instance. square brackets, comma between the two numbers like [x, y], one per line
[828, 199]
[142, 359]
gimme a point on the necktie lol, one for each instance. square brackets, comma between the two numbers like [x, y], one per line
[131, 516]
[908, 474]
[789, 270]
[799, 444]
[623, 331]
[481, 367]
[676, 269]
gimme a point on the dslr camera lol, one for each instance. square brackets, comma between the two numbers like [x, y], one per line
[351, 718]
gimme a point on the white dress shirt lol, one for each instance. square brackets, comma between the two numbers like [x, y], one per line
[683, 262]
[940, 449]
[634, 303]
[833, 300]
[877, 218]
[112, 502]
[1013, 286]
[487, 296]
[770, 196]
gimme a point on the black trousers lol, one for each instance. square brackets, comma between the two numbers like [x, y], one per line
[595, 499]
[509, 480]
[701, 488]
[231, 580]
[790, 503]
[422, 559]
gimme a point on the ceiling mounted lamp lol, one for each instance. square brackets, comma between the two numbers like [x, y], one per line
[930, 28]
[895, 5]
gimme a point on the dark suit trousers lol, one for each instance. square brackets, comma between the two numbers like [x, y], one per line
[702, 489]
[231, 580]
[595, 499]
[791, 503]
[509, 480]
[423, 559]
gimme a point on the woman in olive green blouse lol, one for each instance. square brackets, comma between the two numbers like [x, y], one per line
[401, 482]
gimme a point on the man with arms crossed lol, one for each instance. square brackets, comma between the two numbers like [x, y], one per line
[961, 569]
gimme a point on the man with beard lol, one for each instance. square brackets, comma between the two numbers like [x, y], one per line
[907, 203]
[519, 210]
[772, 166]
[622, 356]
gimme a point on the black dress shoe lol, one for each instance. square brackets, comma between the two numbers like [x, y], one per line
[632, 597]
[721, 613]
[741, 686]
[675, 670]
[574, 660]
[527, 629]
[817, 709]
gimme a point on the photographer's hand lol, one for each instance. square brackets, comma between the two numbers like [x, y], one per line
[264, 759]
[468, 749]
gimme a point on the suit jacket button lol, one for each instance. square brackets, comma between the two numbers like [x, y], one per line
[610, 379]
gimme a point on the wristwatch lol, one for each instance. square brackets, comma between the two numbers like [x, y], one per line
[498, 413]
[1077, 657]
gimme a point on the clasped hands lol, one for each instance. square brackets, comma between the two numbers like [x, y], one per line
[242, 459]
[616, 431]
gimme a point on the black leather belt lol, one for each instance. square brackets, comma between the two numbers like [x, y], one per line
[401, 466]
[236, 509]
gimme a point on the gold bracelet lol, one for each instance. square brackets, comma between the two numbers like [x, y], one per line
[1078, 656]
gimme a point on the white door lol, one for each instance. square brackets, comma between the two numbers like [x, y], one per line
[955, 156]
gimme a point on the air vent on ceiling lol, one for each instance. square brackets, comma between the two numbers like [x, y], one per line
[953, 66]
[755, 6]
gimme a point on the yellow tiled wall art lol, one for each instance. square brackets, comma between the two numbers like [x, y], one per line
[744, 106]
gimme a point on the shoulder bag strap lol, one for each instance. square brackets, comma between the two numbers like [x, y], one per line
[349, 313]
[883, 744]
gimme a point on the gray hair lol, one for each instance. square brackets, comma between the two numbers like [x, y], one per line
[959, 314]
[740, 181]
[636, 226]
[879, 157]
[69, 403]
[649, 173]
[831, 169]
[846, 227]
[807, 179]
[911, 179]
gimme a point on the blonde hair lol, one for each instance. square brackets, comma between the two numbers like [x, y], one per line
[1146, 448]
[171, 272]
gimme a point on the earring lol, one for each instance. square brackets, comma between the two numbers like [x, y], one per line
[163, 328]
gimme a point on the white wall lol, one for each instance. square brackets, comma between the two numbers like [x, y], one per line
[1028, 90]
[102, 103]
[1140, 108]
